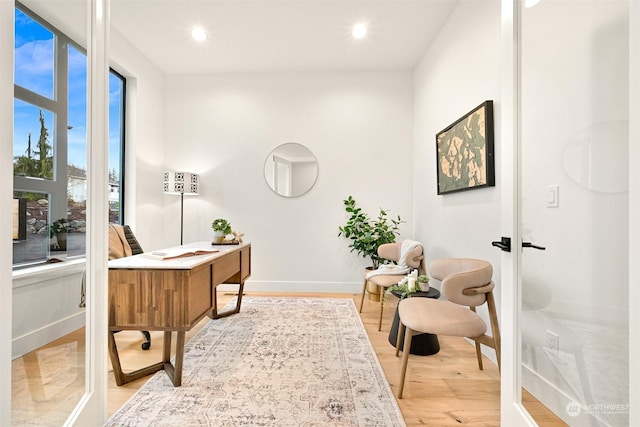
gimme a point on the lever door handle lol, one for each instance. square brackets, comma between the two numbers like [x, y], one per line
[531, 245]
[504, 244]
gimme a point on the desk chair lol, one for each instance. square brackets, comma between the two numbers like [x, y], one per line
[411, 257]
[122, 242]
[466, 283]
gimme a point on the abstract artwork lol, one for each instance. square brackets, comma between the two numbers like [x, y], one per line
[465, 152]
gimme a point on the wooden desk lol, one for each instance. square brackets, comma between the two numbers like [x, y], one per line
[170, 295]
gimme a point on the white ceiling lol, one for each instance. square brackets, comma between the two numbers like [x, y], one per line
[277, 35]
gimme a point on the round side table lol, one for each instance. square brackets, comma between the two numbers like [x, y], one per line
[421, 344]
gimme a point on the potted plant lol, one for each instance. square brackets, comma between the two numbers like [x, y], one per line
[423, 283]
[221, 227]
[367, 234]
[59, 229]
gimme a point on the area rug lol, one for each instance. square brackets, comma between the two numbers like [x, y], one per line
[279, 362]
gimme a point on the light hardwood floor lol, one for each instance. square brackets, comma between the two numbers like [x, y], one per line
[446, 389]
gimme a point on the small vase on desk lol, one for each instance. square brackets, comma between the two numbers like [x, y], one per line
[218, 236]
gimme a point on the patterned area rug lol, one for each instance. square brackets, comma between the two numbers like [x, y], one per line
[279, 362]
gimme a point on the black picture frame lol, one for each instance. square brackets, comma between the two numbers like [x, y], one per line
[464, 152]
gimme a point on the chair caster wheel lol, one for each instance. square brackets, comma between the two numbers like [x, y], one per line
[146, 345]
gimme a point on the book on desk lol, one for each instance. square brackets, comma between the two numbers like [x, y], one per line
[177, 253]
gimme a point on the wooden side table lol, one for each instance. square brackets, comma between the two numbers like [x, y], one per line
[421, 344]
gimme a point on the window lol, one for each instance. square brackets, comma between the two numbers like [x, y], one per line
[50, 141]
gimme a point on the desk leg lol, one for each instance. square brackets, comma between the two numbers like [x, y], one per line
[122, 377]
[174, 372]
[216, 315]
[177, 380]
[115, 360]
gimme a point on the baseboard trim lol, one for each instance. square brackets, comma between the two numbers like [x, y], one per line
[555, 399]
[46, 334]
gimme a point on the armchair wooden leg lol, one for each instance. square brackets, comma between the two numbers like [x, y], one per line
[401, 331]
[479, 355]
[381, 290]
[405, 360]
[364, 291]
[495, 328]
[478, 348]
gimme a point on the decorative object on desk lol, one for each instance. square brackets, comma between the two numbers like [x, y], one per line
[181, 183]
[291, 169]
[221, 227]
[465, 152]
[233, 238]
[238, 236]
[255, 368]
[58, 234]
[177, 253]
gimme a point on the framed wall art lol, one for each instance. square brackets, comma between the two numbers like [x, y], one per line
[464, 152]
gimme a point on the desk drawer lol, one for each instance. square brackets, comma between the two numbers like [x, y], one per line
[225, 267]
[200, 293]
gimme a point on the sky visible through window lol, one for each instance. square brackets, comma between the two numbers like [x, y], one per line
[34, 70]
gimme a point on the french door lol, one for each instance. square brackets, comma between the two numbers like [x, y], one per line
[87, 20]
[568, 168]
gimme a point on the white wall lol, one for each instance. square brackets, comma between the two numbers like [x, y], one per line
[144, 156]
[460, 70]
[358, 125]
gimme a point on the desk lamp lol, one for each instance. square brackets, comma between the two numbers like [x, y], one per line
[181, 183]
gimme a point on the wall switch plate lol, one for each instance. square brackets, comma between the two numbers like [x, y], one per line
[553, 193]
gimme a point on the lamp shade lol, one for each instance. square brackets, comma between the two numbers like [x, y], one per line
[181, 183]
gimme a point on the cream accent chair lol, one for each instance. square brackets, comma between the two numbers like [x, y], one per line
[466, 283]
[391, 252]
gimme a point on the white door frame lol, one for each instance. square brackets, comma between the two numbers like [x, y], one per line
[92, 408]
[634, 212]
[512, 411]
[7, 20]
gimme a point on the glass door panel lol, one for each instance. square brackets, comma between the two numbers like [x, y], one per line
[575, 203]
[49, 374]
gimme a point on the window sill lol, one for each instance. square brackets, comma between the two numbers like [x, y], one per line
[37, 274]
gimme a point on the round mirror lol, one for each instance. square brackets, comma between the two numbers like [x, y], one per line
[291, 169]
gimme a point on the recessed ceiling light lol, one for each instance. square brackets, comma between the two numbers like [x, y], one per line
[199, 34]
[530, 3]
[359, 31]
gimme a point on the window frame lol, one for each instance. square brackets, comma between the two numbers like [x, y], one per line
[57, 187]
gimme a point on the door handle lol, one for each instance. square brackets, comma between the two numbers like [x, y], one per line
[504, 244]
[531, 245]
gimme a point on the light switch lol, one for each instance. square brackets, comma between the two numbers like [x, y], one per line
[552, 196]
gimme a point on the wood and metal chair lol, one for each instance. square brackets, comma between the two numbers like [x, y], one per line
[467, 284]
[411, 257]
